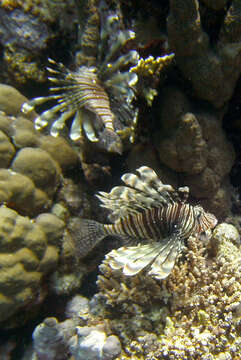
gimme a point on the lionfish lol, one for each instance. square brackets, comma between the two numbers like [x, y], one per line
[98, 95]
[153, 218]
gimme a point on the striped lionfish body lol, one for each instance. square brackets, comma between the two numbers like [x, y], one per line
[148, 213]
[96, 98]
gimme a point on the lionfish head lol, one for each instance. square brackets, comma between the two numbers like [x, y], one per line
[205, 219]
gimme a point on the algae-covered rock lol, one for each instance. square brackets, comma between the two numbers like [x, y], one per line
[26, 30]
[92, 343]
[55, 340]
[24, 259]
[49, 340]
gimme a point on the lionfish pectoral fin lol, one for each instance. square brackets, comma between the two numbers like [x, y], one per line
[86, 234]
[159, 257]
[87, 123]
[132, 259]
[164, 262]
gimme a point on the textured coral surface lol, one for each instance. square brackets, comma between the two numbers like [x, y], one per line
[26, 254]
[188, 131]
[194, 314]
[203, 160]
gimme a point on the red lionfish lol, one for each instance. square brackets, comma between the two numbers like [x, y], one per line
[98, 96]
[150, 213]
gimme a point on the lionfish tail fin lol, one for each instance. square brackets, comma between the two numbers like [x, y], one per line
[157, 258]
[86, 234]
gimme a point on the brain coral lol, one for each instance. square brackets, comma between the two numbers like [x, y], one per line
[27, 252]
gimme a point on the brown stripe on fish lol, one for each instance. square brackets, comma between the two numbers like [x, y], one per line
[148, 225]
[127, 226]
[132, 224]
[188, 221]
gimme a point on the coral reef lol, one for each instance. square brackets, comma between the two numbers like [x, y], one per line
[99, 96]
[28, 250]
[119, 65]
[203, 160]
[32, 181]
[148, 71]
[212, 68]
[26, 30]
[54, 340]
[194, 313]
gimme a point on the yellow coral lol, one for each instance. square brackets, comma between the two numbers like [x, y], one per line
[148, 71]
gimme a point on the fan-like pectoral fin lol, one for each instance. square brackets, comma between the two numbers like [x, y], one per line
[165, 261]
[159, 258]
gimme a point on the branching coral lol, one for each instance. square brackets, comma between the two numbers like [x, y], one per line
[195, 313]
[148, 71]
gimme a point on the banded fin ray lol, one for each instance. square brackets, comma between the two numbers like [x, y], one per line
[157, 258]
[142, 192]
